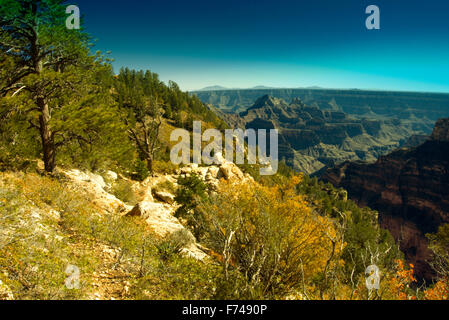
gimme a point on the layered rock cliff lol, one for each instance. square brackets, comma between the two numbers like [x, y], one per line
[312, 139]
[409, 188]
[418, 107]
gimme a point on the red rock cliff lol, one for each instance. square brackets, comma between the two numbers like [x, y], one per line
[409, 188]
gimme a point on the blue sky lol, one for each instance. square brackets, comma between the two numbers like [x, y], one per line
[245, 43]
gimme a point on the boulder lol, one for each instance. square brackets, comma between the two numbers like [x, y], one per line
[161, 220]
[111, 176]
[158, 216]
[89, 177]
[219, 159]
[193, 251]
[193, 166]
[230, 170]
[213, 173]
[202, 172]
[186, 170]
[95, 186]
[249, 178]
[148, 195]
[165, 197]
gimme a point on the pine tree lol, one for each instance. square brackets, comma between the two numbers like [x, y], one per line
[143, 114]
[54, 82]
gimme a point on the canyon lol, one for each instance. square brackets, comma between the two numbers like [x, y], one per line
[419, 108]
[410, 189]
[379, 146]
[312, 139]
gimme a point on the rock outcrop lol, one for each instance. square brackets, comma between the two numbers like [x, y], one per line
[409, 188]
[165, 197]
[222, 169]
[441, 131]
[157, 207]
[160, 216]
[161, 220]
[95, 186]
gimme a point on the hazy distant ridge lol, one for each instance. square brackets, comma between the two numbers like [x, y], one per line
[357, 102]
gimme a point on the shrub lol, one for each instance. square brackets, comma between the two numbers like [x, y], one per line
[365, 242]
[439, 244]
[191, 191]
[123, 190]
[174, 244]
[165, 186]
[165, 167]
[269, 236]
[141, 171]
[178, 278]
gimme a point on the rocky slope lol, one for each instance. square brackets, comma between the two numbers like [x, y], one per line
[153, 207]
[409, 188]
[156, 207]
[312, 139]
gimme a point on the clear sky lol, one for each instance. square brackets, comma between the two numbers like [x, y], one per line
[296, 43]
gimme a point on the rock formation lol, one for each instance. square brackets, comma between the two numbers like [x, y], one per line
[312, 138]
[156, 207]
[409, 188]
[419, 108]
[441, 131]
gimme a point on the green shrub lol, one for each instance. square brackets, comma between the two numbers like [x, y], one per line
[165, 186]
[362, 233]
[141, 171]
[179, 278]
[123, 190]
[191, 191]
[165, 167]
[268, 241]
[174, 243]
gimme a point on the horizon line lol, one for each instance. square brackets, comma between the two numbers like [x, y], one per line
[317, 88]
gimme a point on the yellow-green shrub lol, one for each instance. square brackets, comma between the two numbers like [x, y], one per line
[269, 235]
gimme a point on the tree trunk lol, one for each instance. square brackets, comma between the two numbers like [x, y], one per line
[150, 164]
[48, 145]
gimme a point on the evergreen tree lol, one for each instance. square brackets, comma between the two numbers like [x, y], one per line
[53, 82]
[143, 114]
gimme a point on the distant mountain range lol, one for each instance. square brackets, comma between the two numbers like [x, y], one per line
[221, 88]
[213, 88]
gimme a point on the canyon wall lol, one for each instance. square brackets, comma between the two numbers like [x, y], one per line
[409, 188]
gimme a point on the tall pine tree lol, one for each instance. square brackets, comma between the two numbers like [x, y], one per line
[53, 81]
